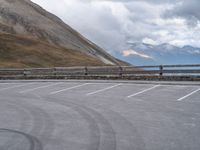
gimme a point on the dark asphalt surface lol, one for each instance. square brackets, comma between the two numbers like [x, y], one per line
[84, 115]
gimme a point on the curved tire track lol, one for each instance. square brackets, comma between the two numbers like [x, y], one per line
[12, 141]
[129, 137]
[102, 134]
[41, 123]
[34, 143]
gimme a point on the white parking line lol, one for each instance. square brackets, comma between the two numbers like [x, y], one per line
[184, 97]
[110, 87]
[6, 83]
[135, 94]
[17, 86]
[70, 88]
[41, 87]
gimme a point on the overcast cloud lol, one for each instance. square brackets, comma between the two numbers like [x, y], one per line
[113, 24]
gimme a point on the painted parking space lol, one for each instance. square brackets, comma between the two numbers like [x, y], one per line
[188, 95]
[118, 91]
[192, 97]
[52, 88]
[83, 89]
[115, 90]
[166, 93]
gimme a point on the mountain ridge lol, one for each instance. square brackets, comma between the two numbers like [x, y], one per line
[160, 54]
[25, 18]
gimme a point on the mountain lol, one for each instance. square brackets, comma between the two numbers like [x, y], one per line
[32, 37]
[18, 51]
[147, 54]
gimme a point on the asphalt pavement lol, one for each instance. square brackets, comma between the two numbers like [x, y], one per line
[99, 115]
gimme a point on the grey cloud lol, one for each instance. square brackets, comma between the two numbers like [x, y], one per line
[188, 9]
[148, 1]
[111, 25]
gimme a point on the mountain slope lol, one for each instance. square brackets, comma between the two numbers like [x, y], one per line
[19, 51]
[24, 18]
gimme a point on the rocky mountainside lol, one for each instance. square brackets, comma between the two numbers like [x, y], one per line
[22, 20]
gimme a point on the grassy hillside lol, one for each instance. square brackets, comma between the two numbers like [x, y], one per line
[19, 51]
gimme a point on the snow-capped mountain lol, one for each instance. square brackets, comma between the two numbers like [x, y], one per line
[146, 54]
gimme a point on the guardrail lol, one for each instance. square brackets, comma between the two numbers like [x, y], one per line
[192, 70]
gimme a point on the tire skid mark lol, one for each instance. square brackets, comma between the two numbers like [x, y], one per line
[34, 143]
[23, 124]
[45, 125]
[23, 112]
[125, 128]
[128, 132]
[93, 126]
[106, 135]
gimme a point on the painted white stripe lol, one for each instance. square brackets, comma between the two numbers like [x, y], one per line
[184, 97]
[110, 87]
[41, 87]
[7, 83]
[70, 88]
[17, 86]
[135, 94]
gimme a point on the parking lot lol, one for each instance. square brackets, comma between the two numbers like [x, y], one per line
[114, 115]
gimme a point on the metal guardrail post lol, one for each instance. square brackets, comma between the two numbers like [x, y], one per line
[191, 71]
[54, 70]
[86, 71]
[24, 73]
[120, 71]
[161, 70]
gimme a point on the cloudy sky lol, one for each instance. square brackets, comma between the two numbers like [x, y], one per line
[114, 24]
